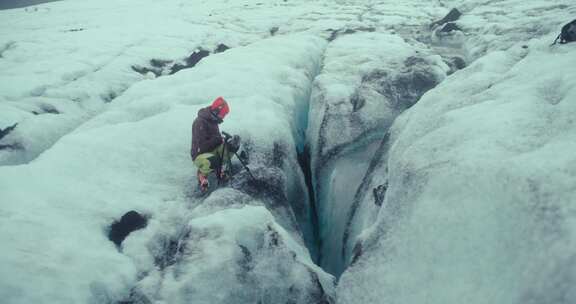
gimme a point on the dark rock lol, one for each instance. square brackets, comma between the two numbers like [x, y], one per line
[160, 63]
[48, 108]
[455, 63]
[379, 194]
[7, 130]
[333, 35]
[144, 70]
[359, 29]
[139, 69]
[131, 221]
[177, 67]
[568, 33]
[108, 97]
[452, 16]
[449, 27]
[161, 67]
[195, 57]
[274, 30]
[221, 48]
[190, 61]
[75, 30]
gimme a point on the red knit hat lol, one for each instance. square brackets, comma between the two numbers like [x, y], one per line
[220, 107]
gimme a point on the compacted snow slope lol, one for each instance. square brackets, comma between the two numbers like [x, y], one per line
[440, 162]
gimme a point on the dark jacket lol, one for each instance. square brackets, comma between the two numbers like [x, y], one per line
[205, 133]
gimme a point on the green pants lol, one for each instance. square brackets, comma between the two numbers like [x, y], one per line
[210, 161]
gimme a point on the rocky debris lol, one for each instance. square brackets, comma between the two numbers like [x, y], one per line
[160, 67]
[131, 221]
[449, 27]
[379, 194]
[274, 30]
[336, 33]
[190, 61]
[567, 34]
[5, 131]
[452, 16]
[221, 48]
[455, 63]
[46, 109]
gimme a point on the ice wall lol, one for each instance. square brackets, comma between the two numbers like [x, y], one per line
[367, 80]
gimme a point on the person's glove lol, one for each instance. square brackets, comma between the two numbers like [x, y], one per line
[233, 143]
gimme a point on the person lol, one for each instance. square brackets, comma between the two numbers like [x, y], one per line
[209, 151]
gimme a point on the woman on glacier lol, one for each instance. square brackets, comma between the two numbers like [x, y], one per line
[209, 150]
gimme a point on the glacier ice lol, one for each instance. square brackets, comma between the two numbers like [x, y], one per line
[440, 163]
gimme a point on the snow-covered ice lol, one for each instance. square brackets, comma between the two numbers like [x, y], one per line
[441, 163]
[132, 154]
[479, 206]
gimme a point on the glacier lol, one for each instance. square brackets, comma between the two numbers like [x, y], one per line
[398, 158]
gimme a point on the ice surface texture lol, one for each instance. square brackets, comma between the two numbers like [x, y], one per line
[432, 185]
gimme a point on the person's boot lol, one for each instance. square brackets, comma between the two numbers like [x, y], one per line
[203, 182]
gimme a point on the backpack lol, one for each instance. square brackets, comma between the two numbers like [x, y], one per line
[568, 33]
